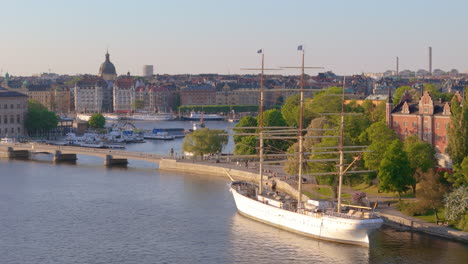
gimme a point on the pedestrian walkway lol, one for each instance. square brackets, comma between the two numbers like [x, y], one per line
[395, 218]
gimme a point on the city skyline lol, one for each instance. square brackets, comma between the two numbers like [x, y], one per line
[222, 37]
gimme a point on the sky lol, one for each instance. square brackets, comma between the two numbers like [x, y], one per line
[218, 36]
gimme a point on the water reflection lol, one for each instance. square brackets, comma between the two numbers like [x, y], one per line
[257, 242]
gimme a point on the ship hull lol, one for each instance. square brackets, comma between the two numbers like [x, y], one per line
[317, 225]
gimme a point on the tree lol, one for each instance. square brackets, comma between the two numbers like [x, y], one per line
[421, 156]
[374, 113]
[399, 93]
[245, 144]
[379, 136]
[456, 207]
[274, 118]
[97, 120]
[39, 119]
[394, 170]
[457, 146]
[459, 177]
[205, 141]
[431, 191]
[138, 104]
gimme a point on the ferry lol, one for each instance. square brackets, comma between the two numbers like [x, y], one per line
[152, 117]
[201, 116]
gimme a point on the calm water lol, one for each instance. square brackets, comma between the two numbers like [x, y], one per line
[86, 213]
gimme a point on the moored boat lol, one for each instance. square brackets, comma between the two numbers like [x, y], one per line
[326, 220]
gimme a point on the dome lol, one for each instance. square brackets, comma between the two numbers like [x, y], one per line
[107, 67]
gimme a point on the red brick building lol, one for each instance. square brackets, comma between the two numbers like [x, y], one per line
[427, 119]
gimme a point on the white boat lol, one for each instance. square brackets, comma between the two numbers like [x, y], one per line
[320, 219]
[198, 116]
[152, 117]
[159, 135]
[111, 117]
[351, 228]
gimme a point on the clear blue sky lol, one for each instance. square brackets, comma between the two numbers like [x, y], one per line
[217, 36]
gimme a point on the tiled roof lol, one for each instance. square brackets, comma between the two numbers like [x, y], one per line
[7, 93]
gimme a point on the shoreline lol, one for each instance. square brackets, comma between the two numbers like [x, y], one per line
[392, 217]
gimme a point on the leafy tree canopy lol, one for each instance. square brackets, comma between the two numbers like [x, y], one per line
[379, 136]
[97, 120]
[399, 93]
[39, 119]
[205, 141]
[394, 170]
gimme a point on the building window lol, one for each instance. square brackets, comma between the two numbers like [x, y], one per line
[18, 119]
[415, 124]
[425, 124]
[19, 130]
[12, 106]
[425, 110]
[5, 120]
[6, 106]
[437, 125]
[405, 124]
[395, 123]
[446, 125]
[12, 130]
[12, 119]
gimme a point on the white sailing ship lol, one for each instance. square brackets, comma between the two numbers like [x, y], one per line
[320, 219]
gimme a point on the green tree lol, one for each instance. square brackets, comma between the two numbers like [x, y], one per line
[97, 120]
[394, 170]
[421, 156]
[459, 177]
[274, 118]
[456, 207]
[399, 93]
[374, 113]
[457, 146]
[245, 144]
[39, 119]
[205, 141]
[379, 136]
[138, 104]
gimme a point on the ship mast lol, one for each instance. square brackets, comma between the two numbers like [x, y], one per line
[340, 148]
[260, 128]
[300, 136]
[301, 124]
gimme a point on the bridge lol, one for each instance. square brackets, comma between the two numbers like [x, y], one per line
[68, 153]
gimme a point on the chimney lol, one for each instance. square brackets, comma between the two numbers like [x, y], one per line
[430, 60]
[397, 65]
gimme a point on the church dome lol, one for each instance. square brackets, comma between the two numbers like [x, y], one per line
[107, 67]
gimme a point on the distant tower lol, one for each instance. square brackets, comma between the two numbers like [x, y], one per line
[397, 65]
[388, 109]
[430, 60]
[148, 70]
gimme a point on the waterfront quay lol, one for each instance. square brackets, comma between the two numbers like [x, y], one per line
[229, 170]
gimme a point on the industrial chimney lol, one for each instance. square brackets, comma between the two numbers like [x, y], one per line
[430, 60]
